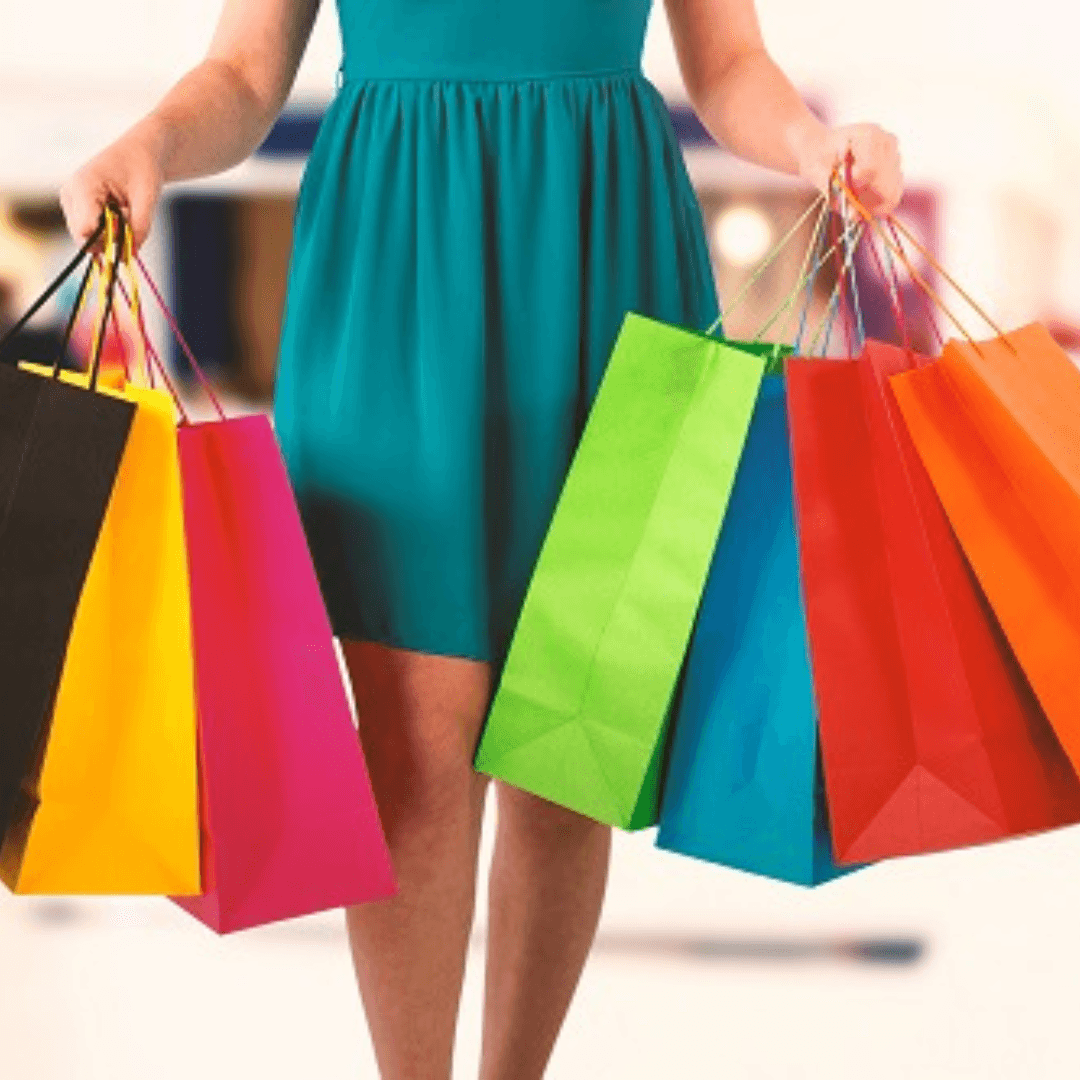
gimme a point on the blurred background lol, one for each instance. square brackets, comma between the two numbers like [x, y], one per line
[958, 967]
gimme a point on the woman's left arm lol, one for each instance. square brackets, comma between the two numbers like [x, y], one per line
[750, 106]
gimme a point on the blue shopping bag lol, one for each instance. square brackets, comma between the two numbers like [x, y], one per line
[743, 786]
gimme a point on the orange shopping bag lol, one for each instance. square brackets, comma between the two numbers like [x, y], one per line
[997, 424]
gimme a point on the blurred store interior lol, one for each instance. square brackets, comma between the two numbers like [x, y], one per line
[989, 125]
[963, 967]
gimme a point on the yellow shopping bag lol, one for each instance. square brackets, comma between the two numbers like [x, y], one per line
[115, 805]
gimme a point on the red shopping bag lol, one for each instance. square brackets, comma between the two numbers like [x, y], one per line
[931, 737]
[289, 821]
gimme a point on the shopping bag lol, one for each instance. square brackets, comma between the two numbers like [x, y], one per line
[290, 824]
[930, 736]
[289, 820]
[114, 809]
[997, 425]
[743, 783]
[60, 450]
[580, 714]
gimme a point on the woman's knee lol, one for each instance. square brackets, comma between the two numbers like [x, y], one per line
[420, 778]
[419, 719]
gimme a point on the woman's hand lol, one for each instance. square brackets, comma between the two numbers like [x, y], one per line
[876, 176]
[751, 107]
[130, 173]
[211, 120]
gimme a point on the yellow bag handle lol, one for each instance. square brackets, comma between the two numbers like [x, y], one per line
[131, 295]
[119, 233]
[101, 261]
[114, 223]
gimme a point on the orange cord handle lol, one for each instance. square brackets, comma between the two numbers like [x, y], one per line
[896, 247]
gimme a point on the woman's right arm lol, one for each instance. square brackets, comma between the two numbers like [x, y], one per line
[212, 119]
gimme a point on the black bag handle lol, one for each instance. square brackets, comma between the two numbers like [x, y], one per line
[73, 318]
[52, 288]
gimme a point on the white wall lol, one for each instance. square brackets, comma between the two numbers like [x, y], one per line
[981, 92]
[145, 44]
[154, 40]
[826, 42]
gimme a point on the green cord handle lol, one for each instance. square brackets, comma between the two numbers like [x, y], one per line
[768, 261]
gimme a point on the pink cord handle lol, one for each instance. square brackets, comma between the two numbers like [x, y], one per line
[170, 319]
[151, 352]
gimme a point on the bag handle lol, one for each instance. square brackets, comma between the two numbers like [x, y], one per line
[151, 359]
[174, 326]
[110, 296]
[73, 318]
[807, 276]
[51, 289]
[838, 299]
[846, 184]
[889, 276]
[133, 302]
[54, 285]
[111, 220]
[806, 281]
[810, 280]
[852, 278]
[894, 243]
[769, 259]
[887, 268]
[93, 269]
[850, 235]
[847, 287]
[135, 306]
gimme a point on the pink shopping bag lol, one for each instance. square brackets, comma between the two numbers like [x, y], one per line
[289, 820]
[290, 824]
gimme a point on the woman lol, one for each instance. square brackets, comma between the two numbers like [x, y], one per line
[493, 187]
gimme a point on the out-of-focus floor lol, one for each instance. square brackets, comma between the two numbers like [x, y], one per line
[959, 967]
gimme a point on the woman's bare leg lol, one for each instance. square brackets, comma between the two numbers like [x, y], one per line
[420, 717]
[546, 892]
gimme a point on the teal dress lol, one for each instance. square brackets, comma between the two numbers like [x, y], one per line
[493, 187]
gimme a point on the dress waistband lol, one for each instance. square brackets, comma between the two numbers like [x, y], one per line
[367, 73]
[489, 41]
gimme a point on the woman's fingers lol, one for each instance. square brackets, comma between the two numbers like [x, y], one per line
[876, 172]
[125, 175]
[874, 155]
[140, 211]
[82, 201]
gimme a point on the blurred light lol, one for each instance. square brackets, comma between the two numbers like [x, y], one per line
[743, 235]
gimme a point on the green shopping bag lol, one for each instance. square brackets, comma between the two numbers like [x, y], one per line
[581, 711]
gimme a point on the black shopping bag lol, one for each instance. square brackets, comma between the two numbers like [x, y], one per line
[60, 450]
